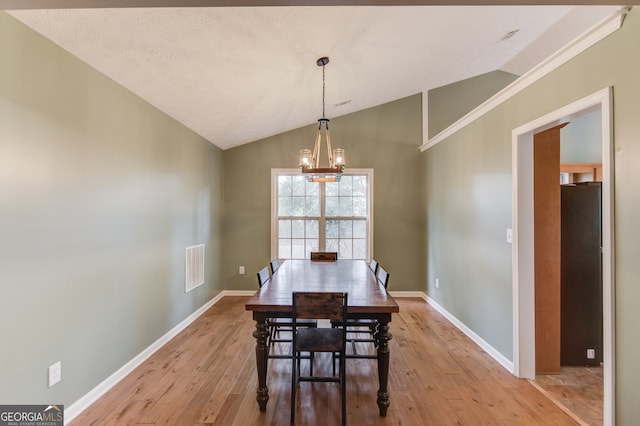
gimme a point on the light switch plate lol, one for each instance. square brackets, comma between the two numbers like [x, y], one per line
[55, 373]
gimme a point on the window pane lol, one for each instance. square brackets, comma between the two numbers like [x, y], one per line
[284, 206]
[346, 249]
[297, 228]
[359, 229]
[346, 229]
[312, 245]
[312, 206]
[359, 185]
[332, 206]
[298, 185]
[332, 244]
[312, 229]
[284, 228]
[346, 184]
[359, 206]
[284, 186]
[332, 189]
[359, 249]
[297, 206]
[312, 188]
[297, 249]
[284, 248]
[332, 229]
[346, 206]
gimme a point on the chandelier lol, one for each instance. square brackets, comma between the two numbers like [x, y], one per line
[310, 161]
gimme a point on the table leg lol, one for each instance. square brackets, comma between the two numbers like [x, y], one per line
[262, 351]
[382, 339]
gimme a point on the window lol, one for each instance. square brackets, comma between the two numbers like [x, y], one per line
[322, 216]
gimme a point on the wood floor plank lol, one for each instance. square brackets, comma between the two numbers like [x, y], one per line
[207, 376]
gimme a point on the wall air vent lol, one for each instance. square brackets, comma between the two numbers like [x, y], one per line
[194, 267]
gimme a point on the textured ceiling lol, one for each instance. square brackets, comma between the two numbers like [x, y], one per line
[238, 74]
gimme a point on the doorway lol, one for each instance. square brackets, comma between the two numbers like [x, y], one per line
[523, 240]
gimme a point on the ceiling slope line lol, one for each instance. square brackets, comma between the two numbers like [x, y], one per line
[572, 49]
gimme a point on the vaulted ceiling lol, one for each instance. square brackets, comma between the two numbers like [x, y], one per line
[238, 74]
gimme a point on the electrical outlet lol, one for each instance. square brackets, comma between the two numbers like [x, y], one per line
[509, 235]
[55, 373]
[241, 270]
[591, 353]
[437, 283]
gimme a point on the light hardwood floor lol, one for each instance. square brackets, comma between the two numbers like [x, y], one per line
[206, 375]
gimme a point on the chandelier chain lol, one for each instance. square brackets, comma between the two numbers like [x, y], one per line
[323, 114]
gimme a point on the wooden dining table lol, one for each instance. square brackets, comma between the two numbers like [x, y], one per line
[368, 299]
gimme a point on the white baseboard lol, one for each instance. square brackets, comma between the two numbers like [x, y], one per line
[238, 292]
[506, 363]
[399, 294]
[84, 402]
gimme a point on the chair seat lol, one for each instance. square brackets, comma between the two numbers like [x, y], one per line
[287, 322]
[319, 340]
[356, 323]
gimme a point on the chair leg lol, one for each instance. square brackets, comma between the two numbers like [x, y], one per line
[294, 381]
[343, 385]
[333, 363]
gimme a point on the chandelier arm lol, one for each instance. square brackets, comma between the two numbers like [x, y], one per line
[329, 150]
[316, 148]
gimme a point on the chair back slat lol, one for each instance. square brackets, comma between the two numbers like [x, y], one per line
[324, 255]
[320, 305]
[263, 276]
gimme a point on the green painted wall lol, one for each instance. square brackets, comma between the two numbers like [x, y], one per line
[100, 193]
[468, 193]
[385, 138]
[447, 104]
[581, 140]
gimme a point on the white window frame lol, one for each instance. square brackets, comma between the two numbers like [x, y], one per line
[296, 172]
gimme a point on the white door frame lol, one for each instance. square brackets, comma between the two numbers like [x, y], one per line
[523, 231]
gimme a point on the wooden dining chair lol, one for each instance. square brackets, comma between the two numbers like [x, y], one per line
[373, 265]
[277, 325]
[274, 265]
[263, 276]
[358, 328]
[319, 305]
[382, 276]
[326, 256]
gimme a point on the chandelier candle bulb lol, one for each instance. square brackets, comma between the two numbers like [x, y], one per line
[338, 157]
[305, 157]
